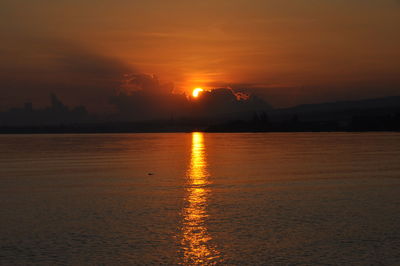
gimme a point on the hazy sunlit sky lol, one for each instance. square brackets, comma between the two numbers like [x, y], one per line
[290, 52]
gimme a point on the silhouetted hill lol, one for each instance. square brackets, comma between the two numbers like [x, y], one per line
[388, 103]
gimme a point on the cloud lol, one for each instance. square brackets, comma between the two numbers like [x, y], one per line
[146, 83]
[141, 105]
[226, 100]
[89, 65]
[32, 68]
[158, 102]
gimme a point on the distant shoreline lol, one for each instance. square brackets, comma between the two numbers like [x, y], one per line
[371, 115]
[56, 130]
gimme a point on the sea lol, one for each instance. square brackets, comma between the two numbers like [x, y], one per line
[200, 199]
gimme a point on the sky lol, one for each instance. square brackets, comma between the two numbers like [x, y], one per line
[287, 51]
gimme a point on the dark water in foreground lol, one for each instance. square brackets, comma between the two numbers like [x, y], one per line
[275, 199]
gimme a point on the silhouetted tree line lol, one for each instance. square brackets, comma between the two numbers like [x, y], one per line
[261, 122]
[387, 122]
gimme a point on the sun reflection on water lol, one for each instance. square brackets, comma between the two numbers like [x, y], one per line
[197, 249]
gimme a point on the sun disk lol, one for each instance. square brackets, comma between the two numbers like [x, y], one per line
[196, 92]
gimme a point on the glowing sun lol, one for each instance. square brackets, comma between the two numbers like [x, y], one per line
[196, 92]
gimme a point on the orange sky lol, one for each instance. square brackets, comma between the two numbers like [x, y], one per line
[290, 52]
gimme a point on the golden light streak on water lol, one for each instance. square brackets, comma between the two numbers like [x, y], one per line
[197, 249]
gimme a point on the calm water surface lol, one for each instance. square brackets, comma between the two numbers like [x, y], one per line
[200, 199]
